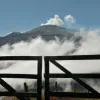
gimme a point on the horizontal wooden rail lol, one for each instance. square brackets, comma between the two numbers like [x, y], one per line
[35, 95]
[79, 75]
[20, 57]
[73, 57]
[29, 76]
[74, 95]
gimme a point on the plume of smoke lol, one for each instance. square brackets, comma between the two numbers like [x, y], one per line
[54, 21]
[70, 19]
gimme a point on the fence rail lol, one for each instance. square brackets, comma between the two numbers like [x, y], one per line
[79, 75]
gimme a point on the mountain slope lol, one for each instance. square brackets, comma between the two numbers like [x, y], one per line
[47, 32]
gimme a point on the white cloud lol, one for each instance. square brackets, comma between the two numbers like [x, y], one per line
[39, 47]
[54, 21]
[69, 19]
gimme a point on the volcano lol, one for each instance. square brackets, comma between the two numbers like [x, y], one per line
[47, 32]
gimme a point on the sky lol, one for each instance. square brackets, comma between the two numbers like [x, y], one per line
[24, 15]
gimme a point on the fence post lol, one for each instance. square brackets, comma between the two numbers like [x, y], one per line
[39, 80]
[47, 88]
[26, 89]
[74, 87]
[56, 86]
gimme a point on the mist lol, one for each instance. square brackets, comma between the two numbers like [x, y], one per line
[39, 47]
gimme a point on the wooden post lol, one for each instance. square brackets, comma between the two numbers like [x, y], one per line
[25, 87]
[56, 86]
[47, 85]
[74, 87]
[56, 89]
[39, 80]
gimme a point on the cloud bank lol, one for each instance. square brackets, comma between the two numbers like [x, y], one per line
[39, 47]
